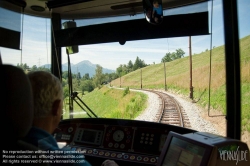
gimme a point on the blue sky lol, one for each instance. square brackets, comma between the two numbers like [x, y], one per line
[36, 43]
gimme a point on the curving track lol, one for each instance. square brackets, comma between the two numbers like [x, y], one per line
[171, 112]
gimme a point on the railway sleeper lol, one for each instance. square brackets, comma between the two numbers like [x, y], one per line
[170, 110]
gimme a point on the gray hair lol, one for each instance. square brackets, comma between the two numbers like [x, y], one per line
[46, 89]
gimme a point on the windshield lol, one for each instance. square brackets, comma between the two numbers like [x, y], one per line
[106, 77]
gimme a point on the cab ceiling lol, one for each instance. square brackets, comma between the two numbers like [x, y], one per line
[80, 9]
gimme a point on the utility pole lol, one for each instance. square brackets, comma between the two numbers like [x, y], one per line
[165, 77]
[141, 78]
[120, 81]
[190, 56]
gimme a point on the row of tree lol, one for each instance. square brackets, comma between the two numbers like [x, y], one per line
[125, 69]
[86, 83]
[173, 56]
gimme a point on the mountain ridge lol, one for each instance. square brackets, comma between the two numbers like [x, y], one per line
[83, 67]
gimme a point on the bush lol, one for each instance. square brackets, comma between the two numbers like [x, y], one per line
[126, 91]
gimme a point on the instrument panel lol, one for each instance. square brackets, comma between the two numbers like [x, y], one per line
[117, 139]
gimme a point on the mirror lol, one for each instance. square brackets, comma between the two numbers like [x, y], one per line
[153, 11]
[71, 24]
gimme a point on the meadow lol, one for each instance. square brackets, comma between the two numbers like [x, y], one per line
[178, 79]
[114, 103]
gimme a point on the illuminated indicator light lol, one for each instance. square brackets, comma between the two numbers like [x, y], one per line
[152, 160]
[139, 158]
[125, 156]
[132, 157]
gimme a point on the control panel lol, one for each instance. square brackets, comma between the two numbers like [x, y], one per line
[132, 141]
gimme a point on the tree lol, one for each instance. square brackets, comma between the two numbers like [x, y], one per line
[166, 58]
[122, 70]
[23, 66]
[138, 64]
[172, 56]
[119, 70]
[130, 66]
[65, 75]
[65, 91]
[113, 76]
[78, 76]
[34, 68]
[86, 76]
[87, 85]
[180, 53]
[106, 78]
[98, 77]
[44, 69]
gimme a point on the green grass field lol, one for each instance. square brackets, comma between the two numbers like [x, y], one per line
[110, 103]
[178, 78]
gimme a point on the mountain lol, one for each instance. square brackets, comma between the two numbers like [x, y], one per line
[83, 67]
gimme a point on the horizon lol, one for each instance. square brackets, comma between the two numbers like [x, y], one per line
[36, 43]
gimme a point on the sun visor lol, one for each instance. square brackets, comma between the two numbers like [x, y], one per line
[10, 25]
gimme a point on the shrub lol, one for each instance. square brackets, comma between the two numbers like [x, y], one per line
[126, 91]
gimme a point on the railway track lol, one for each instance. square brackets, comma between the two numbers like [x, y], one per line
[171, 112]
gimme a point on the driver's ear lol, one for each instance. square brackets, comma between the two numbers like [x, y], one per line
[55, 108]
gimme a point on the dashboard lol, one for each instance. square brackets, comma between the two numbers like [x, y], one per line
[136, 142]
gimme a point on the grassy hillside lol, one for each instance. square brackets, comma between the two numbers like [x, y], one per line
[178, 78]
[111, 103]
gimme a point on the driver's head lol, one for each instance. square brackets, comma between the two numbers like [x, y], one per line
[48, 98]
[156, 3]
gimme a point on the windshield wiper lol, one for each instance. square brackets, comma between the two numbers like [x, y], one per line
[73, 95]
